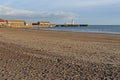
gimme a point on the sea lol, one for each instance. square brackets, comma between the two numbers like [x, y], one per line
[111, 29]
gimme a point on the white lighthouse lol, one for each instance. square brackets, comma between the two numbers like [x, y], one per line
[73, 22]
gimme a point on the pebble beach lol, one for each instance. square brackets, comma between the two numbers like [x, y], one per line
[58, 55]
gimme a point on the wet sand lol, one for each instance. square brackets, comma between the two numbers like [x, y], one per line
[56, 55]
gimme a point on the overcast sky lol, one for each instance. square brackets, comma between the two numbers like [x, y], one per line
[62, 11]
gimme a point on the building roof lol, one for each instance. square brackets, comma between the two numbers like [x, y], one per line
[44, 21]
[16, 20]
[2, 20]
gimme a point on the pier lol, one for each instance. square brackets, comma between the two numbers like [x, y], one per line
[71, 25]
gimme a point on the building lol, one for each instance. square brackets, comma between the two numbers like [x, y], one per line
[29, 25]
[16, 23]
[45, 24]
[2, 22]
[23, 24]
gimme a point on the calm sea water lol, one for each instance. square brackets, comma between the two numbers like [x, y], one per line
[114, 29]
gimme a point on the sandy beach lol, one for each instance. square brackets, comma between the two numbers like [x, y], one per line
[56, 55]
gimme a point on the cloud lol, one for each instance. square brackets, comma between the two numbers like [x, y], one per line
[85, 3]
[58, 4]
[98, 2]
[57, 17]
[10, 11]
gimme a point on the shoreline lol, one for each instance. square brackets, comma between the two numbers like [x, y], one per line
[97, 32]
[91, 35]
[45, 29]
[44, 54]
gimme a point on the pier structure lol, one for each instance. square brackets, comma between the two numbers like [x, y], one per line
[72, 24]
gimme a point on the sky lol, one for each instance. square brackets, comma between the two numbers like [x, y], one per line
[94, 12]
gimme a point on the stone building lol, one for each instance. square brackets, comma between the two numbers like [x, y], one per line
[45, 24]
[29, 25]
[16, 23]
[2, 22]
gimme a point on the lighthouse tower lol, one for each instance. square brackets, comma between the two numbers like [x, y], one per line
[73, 22]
